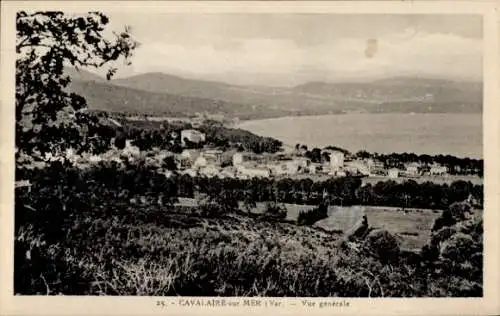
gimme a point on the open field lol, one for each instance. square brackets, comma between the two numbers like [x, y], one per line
[344, 219]
[413, 227]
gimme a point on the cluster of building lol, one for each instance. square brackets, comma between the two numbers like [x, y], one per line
[245, 165]
[415, 170]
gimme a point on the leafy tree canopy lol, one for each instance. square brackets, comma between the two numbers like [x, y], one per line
[49, 118]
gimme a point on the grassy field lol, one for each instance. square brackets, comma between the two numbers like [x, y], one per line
[413, 227]
[344, 219]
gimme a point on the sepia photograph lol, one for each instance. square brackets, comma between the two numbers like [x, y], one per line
[257, 155]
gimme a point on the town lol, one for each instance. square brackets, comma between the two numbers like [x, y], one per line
[199, 159]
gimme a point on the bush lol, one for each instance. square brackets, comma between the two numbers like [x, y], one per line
[274, 210]
[456, 212]
[312, 216]
[382, 245]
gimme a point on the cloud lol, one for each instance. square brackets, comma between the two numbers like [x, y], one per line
[286, 62]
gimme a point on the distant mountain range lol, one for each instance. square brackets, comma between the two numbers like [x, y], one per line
[163, 94]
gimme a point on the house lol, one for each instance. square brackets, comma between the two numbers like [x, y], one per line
[227, 173]
[209, 171]
[187, 158]
[253, 172]
[438, 170]
[95, 159]
[302, 162]
[192, 135]
[238, 159]
[374, 165]
[340, 173]
[357, 167]
[200, 162]
[313, 168]
[393, 173]
[412, 170]
[189, 172]
[130, 149]
[242, 157]
[337, 159]
[291, 167]
[213, 156]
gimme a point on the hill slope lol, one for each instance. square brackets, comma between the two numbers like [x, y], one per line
[158, 93]
[108, 97]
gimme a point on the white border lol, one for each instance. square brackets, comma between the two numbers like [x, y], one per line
[489, 304]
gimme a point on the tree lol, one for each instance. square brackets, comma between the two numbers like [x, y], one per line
[383, 245]
[49, 118]
[275, 211]
[120, 141]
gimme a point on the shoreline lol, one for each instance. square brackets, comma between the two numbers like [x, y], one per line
[241, 121]
[244, 125]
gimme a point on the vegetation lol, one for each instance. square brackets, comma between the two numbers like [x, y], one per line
[339, 191]
[78, 233]
[115, 229]
[47, 115]
[312, 216]
[166, 135]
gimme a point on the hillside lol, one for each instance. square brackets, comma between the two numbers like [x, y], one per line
[158, 93]
[401, 94]
[108, 97]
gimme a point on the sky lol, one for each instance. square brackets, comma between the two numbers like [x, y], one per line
[290, 49]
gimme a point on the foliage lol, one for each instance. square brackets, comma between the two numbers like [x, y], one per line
[166, 135]
[457, 211]
[85, 237]
[338, 191]
[48, 117]
[456, 248]
[275, 211]
[312, 216]
[383, 245]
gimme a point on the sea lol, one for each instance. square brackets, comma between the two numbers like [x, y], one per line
[421, 133]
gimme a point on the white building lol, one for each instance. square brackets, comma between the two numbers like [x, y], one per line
[253, 172]
[187, 158]
[209, 171]
[336, 160]
[200, 162]
[131, 150]
[374, 165]
[438, 170]
[412, 170]
[393, 173]
[192, 135]
[357, 166]
[213, 156]
[238, 159]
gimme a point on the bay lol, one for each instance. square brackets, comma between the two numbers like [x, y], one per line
[455, 134]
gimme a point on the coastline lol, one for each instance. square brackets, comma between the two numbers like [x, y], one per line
[273, 127]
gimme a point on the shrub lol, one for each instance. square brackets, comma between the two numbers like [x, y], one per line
[274, 210]
[312, 216]
[382, 245]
